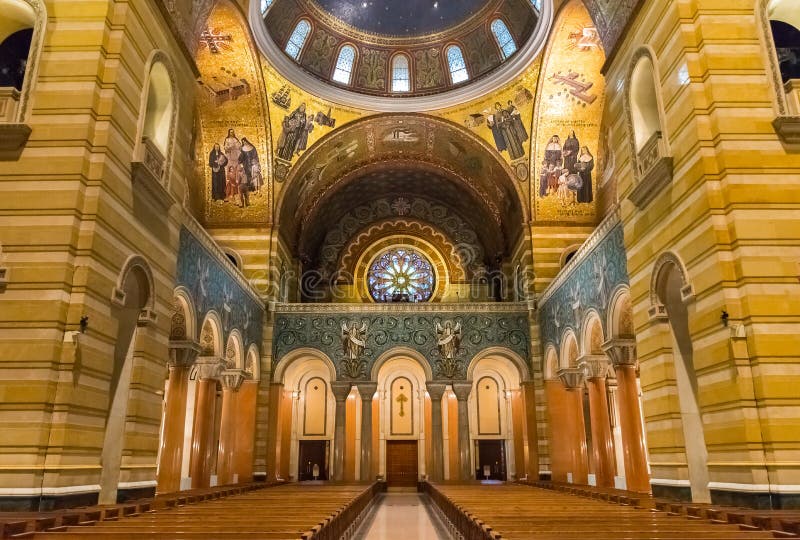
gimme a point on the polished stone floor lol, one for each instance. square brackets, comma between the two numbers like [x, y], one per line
[402, 516]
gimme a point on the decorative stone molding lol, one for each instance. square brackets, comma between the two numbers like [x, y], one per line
[594, 366]
[147, 317]
[449, 307]
[436, 390]
[462, 390]
[654, 169]
[232, 379]
[367, 390]
[9, 102]
[208, 367]
[658, 313]
[571, 378]
[621, 351]
[341, 390]
[787, 125]
[147, 176]
[13, 138]
[183, 353]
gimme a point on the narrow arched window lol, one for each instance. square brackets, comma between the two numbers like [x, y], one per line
[537, 4]
[298, 38]
[504, 38]
[645, 117]
[401, 74]
[16, 37]
[457, 65]
[157, 128]
[265, 6]
[784, 21]
[344, 65]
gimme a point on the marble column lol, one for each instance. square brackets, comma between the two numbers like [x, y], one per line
[367, 391]
[575, 434]
[340, 391]
[529, 396]
[462, 391]
[436, 391]
[231, 381]
[595, 369]
[623, 357]
[181, 358]
[273, 430]
[245, 430]
[207, 371]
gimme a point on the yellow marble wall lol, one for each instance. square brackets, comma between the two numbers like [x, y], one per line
[68, 226]
[731, 216]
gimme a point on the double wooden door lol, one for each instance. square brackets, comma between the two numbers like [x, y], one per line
[401, 464]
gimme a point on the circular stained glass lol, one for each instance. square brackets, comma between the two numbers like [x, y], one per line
[401, 275]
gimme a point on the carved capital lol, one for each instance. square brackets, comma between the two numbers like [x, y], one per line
[571, 378]
[436, 390]
[621, 351]
[232, 379]
[341, 390]
[658, 313]
[367, 390]
[461, 390]
[183, 353]
[147, 317]
[209, 367]
[594, 366]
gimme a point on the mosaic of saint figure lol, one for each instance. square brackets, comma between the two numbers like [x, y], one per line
[217, 161]
[294, 133]
[508, 130]
[567, 171]
[252, 166]
[448, 339]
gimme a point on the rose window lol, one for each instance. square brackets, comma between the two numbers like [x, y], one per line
[401, 275]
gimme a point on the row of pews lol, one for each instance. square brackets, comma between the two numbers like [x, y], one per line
[514, 511]
[281, 512]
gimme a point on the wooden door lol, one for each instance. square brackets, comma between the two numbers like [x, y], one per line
[401, 464]
[313, 453]
[491, 460]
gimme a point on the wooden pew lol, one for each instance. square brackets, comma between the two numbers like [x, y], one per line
[493, 512]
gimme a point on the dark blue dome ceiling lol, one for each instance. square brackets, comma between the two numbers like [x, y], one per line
[402, 17]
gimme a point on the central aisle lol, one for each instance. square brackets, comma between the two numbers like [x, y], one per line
[400, 516]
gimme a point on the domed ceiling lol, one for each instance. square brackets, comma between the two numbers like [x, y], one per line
[404, 18]
[445, 49]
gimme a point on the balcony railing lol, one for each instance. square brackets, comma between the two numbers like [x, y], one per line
[148, 175]
[788, 125]
[13, 135]
[653, 170]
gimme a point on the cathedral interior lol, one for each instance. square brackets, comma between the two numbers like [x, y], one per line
[265, 265]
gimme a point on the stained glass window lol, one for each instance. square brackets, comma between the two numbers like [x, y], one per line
[401, 77]
[298, 39]
[504, 38]
[344, 65]
[401, 275]
[458, 67]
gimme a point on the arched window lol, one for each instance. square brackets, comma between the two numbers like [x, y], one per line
[401, 74]
[457, 65]
[298, 38]
[265, 6]
[537, 4]
[344, 65]
[16, 37]
[504, 38]
[157, 127]
[644, 103]
[784, 20]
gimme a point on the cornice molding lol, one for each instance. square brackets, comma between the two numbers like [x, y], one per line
[405, 308]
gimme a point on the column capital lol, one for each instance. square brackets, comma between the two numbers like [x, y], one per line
[461, 390]
[367, 390]
[209, 367]
[341, 390]
[571, 378]
[594, 366]
[622, 351]
[183, 353]
[232, 378]
[436, 390]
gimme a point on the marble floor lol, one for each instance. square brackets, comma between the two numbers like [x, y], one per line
[402, 516]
